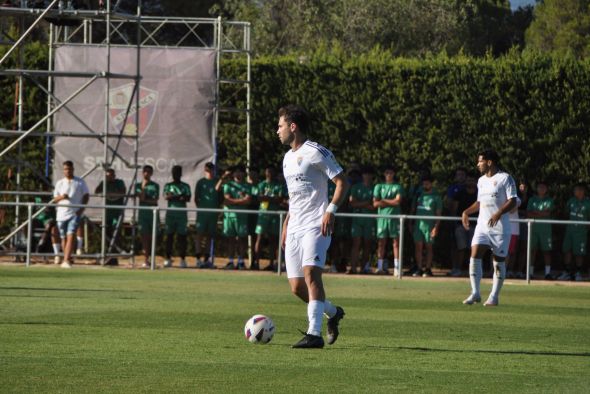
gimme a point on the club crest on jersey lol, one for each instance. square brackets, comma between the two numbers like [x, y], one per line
[299, 160]
[495, 183]
[120, 98]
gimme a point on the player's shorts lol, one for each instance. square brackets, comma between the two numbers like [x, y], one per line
[305, 248]
[267, 224]
[113, 216]
[463, 237]
[513, 246]
[422, 233]
[145, 222]
[67, 227]
[541, 240]
[207, 223]
[236, 226]
[499, 243]
[176, 223]
[363, 228]
[387, 228]
[575, 242]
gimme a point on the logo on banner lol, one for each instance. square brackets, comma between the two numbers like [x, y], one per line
[120, 97]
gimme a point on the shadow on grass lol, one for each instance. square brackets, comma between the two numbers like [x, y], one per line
[514, 352]
[60, 289]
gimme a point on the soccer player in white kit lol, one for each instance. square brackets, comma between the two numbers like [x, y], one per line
[496, 197]
[307, 229]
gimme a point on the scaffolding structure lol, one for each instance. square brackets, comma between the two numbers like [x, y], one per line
[108, 29]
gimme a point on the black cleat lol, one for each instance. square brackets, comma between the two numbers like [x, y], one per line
[333, 325]
[309, 342]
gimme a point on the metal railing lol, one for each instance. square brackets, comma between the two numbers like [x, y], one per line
[282, 214]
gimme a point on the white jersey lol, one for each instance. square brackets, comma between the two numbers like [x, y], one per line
[307, 171]
[492, 193]
[75, 188]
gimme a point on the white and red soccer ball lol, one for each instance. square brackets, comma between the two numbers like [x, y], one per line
[259, 329]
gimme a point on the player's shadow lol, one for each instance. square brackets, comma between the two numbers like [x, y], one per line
[60, 289]
[513, 352]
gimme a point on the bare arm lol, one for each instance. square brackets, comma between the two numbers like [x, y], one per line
[342, 187]
[469, 211]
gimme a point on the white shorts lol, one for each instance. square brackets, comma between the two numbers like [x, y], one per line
[499, 243]
[305, 248]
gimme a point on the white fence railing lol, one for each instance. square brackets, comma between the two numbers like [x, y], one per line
[31, 214]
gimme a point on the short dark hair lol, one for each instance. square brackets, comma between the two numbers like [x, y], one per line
[387, 167]
[148, 168]
[426, 177]
[580, 185]
[68, 163]
[490, 154]
[367, 169]
[295, 114]
[238, 167]
[177, 170]
[542, 182]
[209, 166]
[111, 170]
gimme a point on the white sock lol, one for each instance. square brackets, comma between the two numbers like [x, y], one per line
[499, 275]
[396, 264]
[547, 269]
[329, 309]
[475, 274]
[379, 264]
[56, 248]
[80, 242]
[315, 314]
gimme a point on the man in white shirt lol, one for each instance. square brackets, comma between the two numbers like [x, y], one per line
[496, 197]
[307, 230]
[70, 190]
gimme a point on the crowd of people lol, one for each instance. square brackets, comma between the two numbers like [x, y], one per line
[360, 245]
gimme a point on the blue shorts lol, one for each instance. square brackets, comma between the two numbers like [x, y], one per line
[69, 226]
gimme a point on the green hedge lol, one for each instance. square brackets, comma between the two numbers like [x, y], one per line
[433, 113]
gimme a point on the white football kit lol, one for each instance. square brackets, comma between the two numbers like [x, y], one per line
[492, 193]
[307, 171]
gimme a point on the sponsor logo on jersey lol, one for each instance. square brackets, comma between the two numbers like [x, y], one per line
[123, 98]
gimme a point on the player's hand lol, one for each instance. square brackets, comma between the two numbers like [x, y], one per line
[328, 224]
[434, 232]
[494, 219]
[465, 220]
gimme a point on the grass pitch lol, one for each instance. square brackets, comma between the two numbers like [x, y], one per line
[101, 330]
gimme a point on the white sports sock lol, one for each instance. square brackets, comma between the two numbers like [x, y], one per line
[547, 269]
[329, 309]
[315, 314]
[379, 264]
[499, 275]
[80, 242]
[56, 248]
[396, 264]
[475, 274]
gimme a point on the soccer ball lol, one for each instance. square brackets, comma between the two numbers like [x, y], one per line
[259, 329]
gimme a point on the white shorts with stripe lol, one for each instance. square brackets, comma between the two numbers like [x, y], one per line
[305, 248]
[499, 243]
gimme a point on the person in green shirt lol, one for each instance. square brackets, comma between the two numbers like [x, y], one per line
[270, 194]
[541, 206]
[362, 229]
[339, 251]
[206, 196]
[115, 195]
[237, 194]
[428, 203]
[148, 192]
[576, 235]
[177, 193]
[387, 198]
[46, 219]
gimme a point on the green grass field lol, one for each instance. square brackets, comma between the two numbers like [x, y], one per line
[101, 330]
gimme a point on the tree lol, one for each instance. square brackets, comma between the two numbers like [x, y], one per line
[561, 26]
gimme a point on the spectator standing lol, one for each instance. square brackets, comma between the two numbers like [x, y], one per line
[70, 190]
[270, 195]
[541, 206]
[148, 193]
[237, 194]
[425, 231]
[177, 193]
[206, 196]
[115, 195]
[515, 233]
[576, 235]
[462, 200]
[339, 251]
[387, 198]
[362, 229]
[46, 219]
